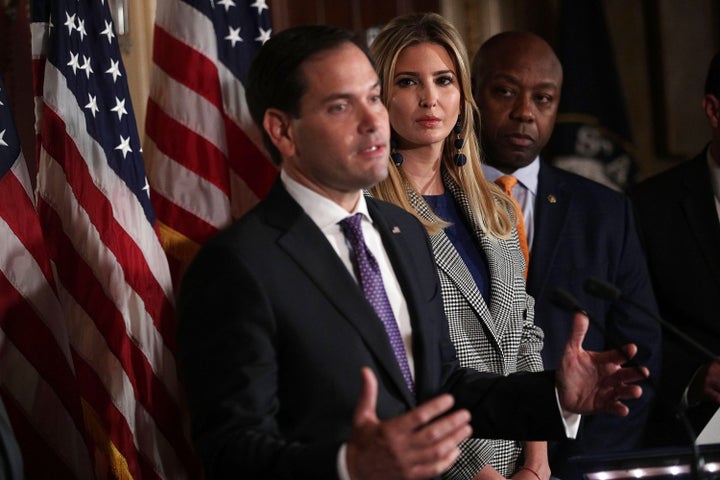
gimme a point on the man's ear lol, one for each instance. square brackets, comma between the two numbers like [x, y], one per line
[278, 126]
[711, 105]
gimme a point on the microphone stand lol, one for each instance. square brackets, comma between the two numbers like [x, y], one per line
[604, 290]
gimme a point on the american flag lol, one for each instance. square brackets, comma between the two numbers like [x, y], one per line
[112, 275]
[37, 377]
[204, 155]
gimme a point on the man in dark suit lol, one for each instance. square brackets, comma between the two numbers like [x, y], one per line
[576, 228]
[289, 371]
[677, 215]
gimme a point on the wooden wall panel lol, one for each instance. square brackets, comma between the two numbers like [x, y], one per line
[353, 14]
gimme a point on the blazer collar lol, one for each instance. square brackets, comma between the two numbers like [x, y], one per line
[496, 317]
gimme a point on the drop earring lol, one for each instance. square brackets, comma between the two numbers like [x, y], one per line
[460, 158]
[396, 156]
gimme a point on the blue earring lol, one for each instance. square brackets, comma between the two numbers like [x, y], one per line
[459, 158]
[396, 156]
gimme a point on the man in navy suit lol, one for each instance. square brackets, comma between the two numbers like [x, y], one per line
[288, 369]
[677, 214]
[576, 228]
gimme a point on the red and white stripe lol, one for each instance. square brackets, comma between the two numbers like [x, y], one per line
[206, 165]
[116, 292]
[37, 376]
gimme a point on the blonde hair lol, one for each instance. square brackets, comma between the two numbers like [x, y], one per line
[487, 202]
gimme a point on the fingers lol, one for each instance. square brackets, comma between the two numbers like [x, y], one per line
[422, 443]
[367, 403]
[618, 408]
[614, 359]
[426, 412]
[454, 427]
[631, 374]
[579, 329]
[433, 448]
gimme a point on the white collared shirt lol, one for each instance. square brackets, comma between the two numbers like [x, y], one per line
[524, 192]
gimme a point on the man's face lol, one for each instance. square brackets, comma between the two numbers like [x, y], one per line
[339, 143]
[518, 95]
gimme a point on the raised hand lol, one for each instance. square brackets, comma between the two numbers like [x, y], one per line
[595, 382]
[416, 445]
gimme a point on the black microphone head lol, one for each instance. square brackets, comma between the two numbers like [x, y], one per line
[602, 289]
[563, 299]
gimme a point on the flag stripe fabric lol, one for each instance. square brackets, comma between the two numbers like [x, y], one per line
[206, 162]
[38, 382]
[114, 237]
[181, 62]
[32, 440]
[166, 131]
[113, 279]
[212, 213]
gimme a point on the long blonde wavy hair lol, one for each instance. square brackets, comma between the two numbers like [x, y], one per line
[488, 203]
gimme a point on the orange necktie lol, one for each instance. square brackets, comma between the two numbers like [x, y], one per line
[507, 182]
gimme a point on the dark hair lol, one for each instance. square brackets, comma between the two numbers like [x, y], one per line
[712, 81]
[275, 79]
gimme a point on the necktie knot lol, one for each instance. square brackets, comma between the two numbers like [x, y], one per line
[352, 230]
[506, 182]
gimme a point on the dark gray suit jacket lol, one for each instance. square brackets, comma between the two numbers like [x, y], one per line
[679, 228]
[273, 332]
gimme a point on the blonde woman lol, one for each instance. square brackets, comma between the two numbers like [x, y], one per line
[435, 174]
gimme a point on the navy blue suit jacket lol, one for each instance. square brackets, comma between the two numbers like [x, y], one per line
[584, 229]
[679, 228]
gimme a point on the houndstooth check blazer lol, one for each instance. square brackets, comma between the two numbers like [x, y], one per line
[500, 338]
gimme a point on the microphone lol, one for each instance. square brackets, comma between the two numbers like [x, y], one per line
[607, 291]
[566, 301]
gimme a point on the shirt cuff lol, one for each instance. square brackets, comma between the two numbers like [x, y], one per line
[342, 463]
[571, 421]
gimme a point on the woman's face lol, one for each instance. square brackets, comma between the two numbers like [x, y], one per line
[424, 97]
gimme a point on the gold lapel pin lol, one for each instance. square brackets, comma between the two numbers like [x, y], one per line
[551, 199]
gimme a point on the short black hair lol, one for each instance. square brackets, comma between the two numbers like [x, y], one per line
[275, 80]
[712, 81]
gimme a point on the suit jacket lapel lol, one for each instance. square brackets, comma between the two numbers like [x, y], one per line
[698, 204]
[551, 208]
[307, 245]
[451, 264]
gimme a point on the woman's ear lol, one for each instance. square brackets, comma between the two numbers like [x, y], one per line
[278, 125]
